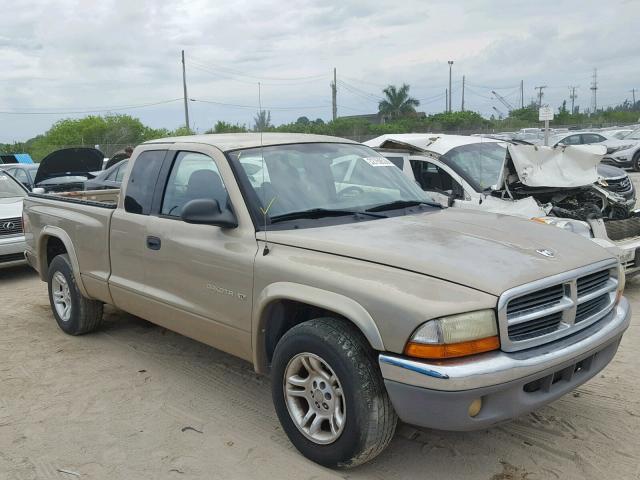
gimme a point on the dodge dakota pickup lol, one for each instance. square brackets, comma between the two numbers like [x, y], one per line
[362, 299]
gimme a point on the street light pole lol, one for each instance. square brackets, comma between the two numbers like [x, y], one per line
[450, 64]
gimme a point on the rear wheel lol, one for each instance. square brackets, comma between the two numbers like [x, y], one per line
[636, 162]
[329, 394]
[74, 313]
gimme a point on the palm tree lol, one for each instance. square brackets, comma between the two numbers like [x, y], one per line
[397, 103]
[262, 121]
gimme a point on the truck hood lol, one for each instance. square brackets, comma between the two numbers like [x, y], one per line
[69, 162]
[485, 251]
[539, 166]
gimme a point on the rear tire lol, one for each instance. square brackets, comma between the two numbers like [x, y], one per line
[360, 420]
[74, 313]
[636, 162]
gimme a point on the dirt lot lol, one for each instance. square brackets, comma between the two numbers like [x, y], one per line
[137, 402]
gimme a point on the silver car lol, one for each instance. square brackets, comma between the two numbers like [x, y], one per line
[12, 244]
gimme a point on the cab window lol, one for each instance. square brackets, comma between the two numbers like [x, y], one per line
[193, 176]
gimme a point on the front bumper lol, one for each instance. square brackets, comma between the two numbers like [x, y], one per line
[438, 394]
[12, 251]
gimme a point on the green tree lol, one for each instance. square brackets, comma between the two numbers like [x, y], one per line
[397, 102]
[262, 121]
[226, 127]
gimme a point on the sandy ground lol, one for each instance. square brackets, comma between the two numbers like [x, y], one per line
[134, 401]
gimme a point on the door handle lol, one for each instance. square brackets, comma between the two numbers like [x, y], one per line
[154, 243]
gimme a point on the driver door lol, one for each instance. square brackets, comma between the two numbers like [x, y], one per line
[202, 274]
[438, 182]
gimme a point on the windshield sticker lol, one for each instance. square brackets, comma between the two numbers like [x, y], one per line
[378, 162]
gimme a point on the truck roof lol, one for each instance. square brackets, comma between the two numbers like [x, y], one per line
[233, 141]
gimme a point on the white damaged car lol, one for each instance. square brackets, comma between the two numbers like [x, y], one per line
[558, 186]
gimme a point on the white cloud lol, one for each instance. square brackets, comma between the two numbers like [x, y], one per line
[64, 54]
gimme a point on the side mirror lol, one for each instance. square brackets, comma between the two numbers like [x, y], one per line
[451, 200]
[205, 211]
[38, 191]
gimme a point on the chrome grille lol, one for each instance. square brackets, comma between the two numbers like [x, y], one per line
[619, 185]
[551, 308]
[10, 226]
[593, 282]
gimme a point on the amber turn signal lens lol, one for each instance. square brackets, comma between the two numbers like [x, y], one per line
[452, 350]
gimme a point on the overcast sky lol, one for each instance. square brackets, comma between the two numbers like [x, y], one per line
[74, 55]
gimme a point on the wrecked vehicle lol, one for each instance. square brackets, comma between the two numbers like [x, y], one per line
[68, 169]
[563, 186]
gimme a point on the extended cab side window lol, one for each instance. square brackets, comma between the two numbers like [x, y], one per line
[142, 182]
[193, 176]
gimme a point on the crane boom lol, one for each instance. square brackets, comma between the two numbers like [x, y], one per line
[503, 101]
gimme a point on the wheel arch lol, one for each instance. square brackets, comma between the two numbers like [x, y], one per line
[50, 243]
[276, 301]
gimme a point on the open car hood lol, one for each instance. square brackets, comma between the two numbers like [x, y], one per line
[69, 162]
[562, 167]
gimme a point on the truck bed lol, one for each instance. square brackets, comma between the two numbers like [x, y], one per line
[82, 220]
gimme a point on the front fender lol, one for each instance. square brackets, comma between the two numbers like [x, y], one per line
[332, 301]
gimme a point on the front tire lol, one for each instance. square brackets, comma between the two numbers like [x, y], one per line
[636, 162]
[329, 394]
[74, 313]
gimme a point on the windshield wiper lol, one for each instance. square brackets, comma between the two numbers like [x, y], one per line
[320, 213]
[401, 204]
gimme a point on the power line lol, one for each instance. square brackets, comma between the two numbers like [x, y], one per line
[230, 77]
[241, 74]
[96, 110]
[254, 107]
[540, 94]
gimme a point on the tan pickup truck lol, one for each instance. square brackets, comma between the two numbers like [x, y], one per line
[318, 261]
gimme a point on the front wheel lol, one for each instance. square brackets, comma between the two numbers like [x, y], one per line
[636, 162]
[329, 394]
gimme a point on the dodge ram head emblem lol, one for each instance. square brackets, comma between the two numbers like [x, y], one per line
[545, 252]
[8, 226]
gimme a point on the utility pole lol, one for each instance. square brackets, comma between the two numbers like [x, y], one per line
[463, 94]
[334, 95]
[573, 96]
[184, 86]
[594, 90]
[446, 100]
[540, 94]
[521, 93]
[633, 92]
[450, 62]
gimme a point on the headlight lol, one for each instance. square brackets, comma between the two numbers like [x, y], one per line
[574, 226]
[455, 336]
[618, 149]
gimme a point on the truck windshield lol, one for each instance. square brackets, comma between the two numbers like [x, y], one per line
[316, 177]
[9, 187]
[479, 164]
